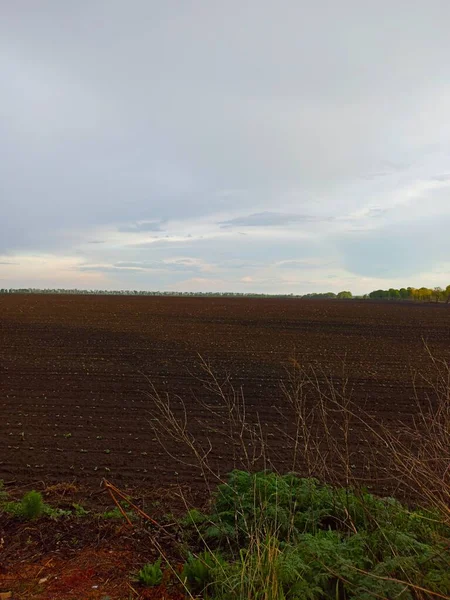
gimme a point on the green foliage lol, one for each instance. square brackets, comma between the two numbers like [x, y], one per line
[151, 574]
[203, 571]
[194, 517]
[115, 513]
[79, 511]
[32, 505]
[55, 513]
[436, 294]
[319, 296]
[296, 538]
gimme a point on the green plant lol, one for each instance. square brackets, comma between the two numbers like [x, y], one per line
[194, 517]
[115, 513]
[203, 571]
[289, 538]
[55, 513]
[286, 537]
[79, 511]
[32, 505]
[151, 574]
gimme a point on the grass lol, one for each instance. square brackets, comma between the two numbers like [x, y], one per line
[277, 537]
[273, 536]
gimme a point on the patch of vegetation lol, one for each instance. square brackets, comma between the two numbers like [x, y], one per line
[115, 513]
[203, 571]
[30, 507]
[151, 574]
[283, 537]
[79, 510]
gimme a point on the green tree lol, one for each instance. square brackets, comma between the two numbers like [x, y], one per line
[394, 294]
[344, 295]
[379, 294]
[447, 294]
[438, 293]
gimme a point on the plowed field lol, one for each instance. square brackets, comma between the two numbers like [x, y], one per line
[75, 372]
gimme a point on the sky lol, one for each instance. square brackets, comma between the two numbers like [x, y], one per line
[281, 146]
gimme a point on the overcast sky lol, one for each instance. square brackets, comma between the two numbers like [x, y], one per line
[248, 145]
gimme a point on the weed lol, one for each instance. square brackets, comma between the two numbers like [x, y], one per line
[201, 572]
[297, 538]
[115, 513]
[32, 505]
[151, 574]
[79, 511]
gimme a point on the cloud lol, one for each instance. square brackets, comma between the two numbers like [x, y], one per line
[181, 264]
[297, 149]
[271, 219]
[305, 263]
[142, 227]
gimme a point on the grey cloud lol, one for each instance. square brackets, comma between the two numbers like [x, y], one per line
[108, 268]
[145, 114]
[305, 264]
[142, 227]
[444, 177]
[186, 265]
[271, 219]
[376, 212]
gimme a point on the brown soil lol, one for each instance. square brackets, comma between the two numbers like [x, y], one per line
[74, 402]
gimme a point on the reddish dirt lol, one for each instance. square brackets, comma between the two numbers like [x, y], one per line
[90, 557]
[75, 373]
[66, 567]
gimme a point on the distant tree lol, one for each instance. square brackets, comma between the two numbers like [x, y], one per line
[438, 293]
[446, 294]
[394, 294]
[319, 296]
[378, 294]
[404, 293]
[344, 295]
[424, 294]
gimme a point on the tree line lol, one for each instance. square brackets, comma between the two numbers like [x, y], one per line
[422, 294]
[140, 293]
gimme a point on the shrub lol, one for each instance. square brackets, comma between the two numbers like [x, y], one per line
[286, 538]
[151, 574]
[32, 505]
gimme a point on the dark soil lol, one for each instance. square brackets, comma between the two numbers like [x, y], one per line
[75, 372]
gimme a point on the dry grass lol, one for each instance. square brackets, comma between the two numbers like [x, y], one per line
[321, 417]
